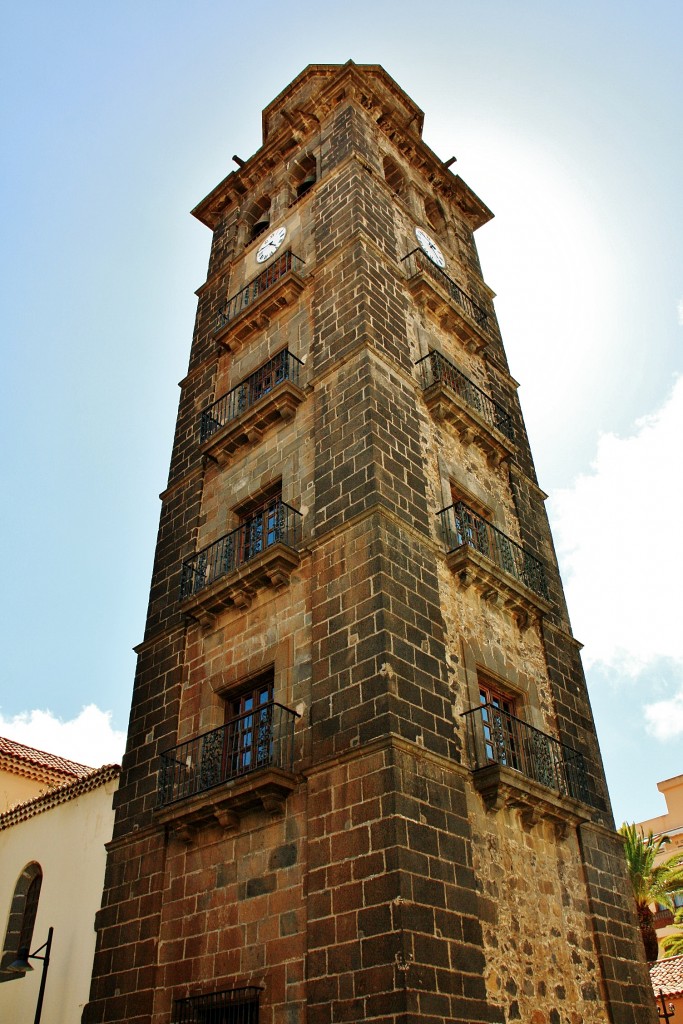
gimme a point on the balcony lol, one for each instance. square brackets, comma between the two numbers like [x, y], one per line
[237, 1005]
[269, 395]
[255, 305]
[516, 765]
[503, 571]
[261, 552]
[453, 308]
[453, 397]
[247, 763]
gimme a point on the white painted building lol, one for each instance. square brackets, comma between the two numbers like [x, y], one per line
[55, 818]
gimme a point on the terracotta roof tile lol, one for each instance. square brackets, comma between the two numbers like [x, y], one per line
[60, 794]
[667, 974]
[41, 759]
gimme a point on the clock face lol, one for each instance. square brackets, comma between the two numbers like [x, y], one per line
[429, 246]
[271, 245]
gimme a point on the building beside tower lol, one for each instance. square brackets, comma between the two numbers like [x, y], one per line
[362, 781]
[55, 818]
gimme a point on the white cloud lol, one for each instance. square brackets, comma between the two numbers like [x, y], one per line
[620, 543]
[664, 718]
[88, 738]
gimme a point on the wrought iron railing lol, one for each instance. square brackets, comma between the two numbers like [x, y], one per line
[495, 736]
[462, 526]
[237, 1005]
[262, 738]
[662, 917]
[274, 523]
[436, 369]
[265, 280]
[283, 366]
[417, 262]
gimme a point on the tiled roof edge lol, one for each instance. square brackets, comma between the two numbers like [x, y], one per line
[667, 974]
[43, 758]
[59, 795]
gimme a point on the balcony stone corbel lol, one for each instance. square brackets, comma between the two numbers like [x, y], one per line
[241, 596]
[277, 577]
[273, 804]
[228, 820]
[529, 816]
[465, 578]
[561, 830]
[522, 618]
[203, 617]
[183, 831]
[495, 458]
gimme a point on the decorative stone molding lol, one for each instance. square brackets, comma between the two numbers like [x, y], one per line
[500, 786]
[472, 569]
[265, 788]
[446, 405]
[437, 303]
[271, 568]
[277, 406]
[261, 312]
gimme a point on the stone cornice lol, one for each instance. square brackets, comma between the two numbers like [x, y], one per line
[392, 741]
[374, 92]
[335, 73]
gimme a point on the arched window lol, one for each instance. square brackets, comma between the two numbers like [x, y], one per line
[393, 176]
[22, 918]
[435, 215]
[258, 218]
[304, 177]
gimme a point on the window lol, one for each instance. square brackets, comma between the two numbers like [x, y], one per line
[249, 727]
[499, 720]
[260, 527]
[258, 219]
[235, 1006]
[304, 177]
[471, 522]
[435, 215]
[393, 176]
[22, 917]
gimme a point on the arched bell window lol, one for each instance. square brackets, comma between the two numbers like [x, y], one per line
[435, 215]
[393, 176]
[304, 177]
[258, 218]
[22, 918]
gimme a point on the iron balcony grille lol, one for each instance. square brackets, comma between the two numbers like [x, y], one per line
[417, 262]
[235, 1006]
[262, 738]
[275, 523]
[495, 736]
[462, 526]
[283, 366]
[265, 280]
[436, 369]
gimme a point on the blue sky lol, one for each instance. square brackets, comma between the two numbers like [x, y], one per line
[117, 119]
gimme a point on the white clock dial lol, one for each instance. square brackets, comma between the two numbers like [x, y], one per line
[429, 246]
[271, 245]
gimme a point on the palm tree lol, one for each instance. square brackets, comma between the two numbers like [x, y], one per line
[672, 945]
[652, 883]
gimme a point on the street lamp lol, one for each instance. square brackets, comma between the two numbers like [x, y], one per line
[21, 965]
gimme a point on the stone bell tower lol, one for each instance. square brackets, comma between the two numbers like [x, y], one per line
[362, 781]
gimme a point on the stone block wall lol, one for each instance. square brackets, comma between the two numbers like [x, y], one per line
[386, 886]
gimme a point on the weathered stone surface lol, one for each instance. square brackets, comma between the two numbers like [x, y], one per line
[387, 885]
